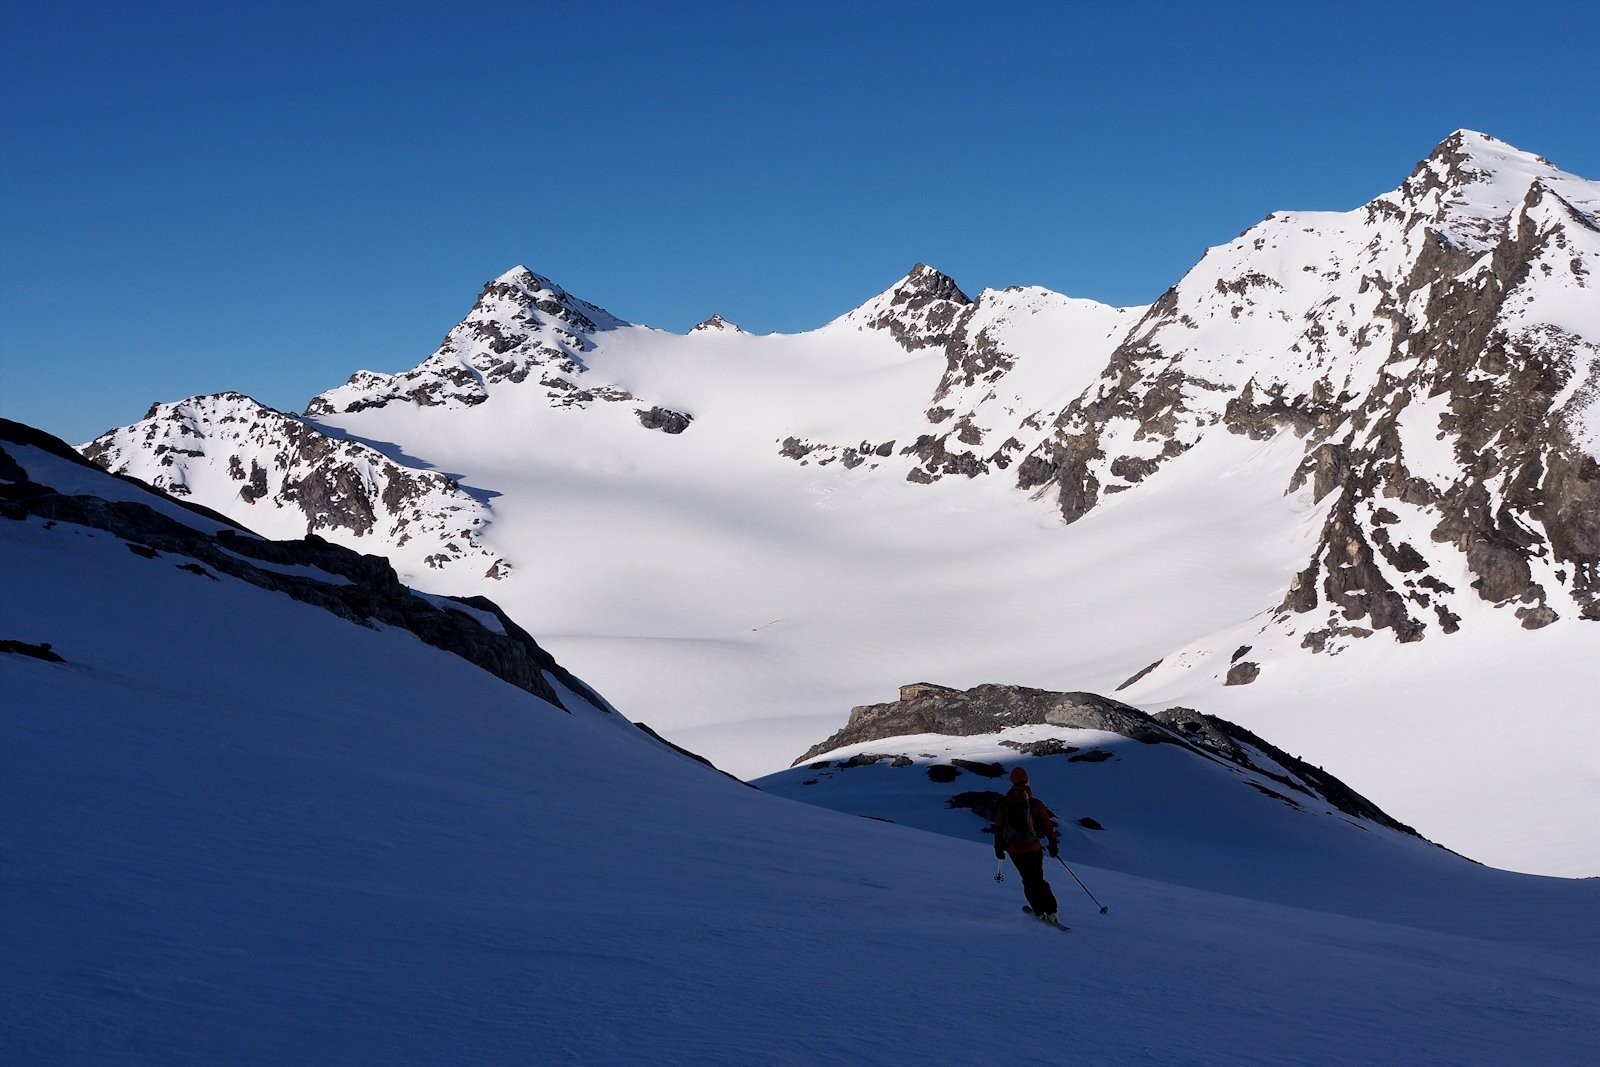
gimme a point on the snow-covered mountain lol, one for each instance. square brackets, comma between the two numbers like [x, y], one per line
[985, 408]
[261, 803]
[1438, 353]
[522, 325]
[1338, 484]
[293, 478]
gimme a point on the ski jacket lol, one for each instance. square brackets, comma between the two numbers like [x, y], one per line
[1043, 823]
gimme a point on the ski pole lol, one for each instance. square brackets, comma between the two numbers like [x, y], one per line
[1103, 909]
[999, 865]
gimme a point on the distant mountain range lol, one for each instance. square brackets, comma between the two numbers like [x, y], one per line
[1345, 460]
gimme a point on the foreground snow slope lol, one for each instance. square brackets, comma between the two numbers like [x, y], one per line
[240, 829]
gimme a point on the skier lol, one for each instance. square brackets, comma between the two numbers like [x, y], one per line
[1019, 822]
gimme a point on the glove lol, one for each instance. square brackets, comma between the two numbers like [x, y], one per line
[1055, 850]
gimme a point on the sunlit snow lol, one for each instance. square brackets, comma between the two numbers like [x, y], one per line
[741, 600]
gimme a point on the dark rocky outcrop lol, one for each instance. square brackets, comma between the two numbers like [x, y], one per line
[1243, 673]
[928, 708]
[1050, 746]
[42, 650]
[848, 456]
[664, 419]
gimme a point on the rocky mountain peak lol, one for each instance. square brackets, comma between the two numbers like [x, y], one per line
[522, 324]
[716, 324]
[1428, 352]
[1469, 187]
[526, 296]
[1456, 155]
[1467, 157]
[925, 309]
[923, 282]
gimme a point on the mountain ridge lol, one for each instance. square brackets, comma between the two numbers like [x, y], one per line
[1440, 313]
[1410, 387]
[927, 708]
[1158, 397]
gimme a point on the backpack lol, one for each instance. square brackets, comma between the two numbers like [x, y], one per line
[1016, 819]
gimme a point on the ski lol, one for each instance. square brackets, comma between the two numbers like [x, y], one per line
[1063, 927]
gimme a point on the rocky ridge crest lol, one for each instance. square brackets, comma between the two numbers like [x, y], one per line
[299, 476]
[928, 708]
[978, 419]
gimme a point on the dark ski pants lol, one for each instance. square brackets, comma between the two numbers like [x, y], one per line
[1040, 896]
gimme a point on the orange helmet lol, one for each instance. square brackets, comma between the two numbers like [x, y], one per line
[1018, 775]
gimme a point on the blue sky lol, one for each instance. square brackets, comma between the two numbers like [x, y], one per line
[268, 197]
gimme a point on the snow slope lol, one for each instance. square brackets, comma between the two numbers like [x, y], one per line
[1161, 812]
[238, 828]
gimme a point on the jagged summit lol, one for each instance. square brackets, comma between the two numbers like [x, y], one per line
[522, 322]
[522, 274]
[923, 281]
[1473, 156]
[536, 298]
[920, 310]
[1470, 189]
[716, 324]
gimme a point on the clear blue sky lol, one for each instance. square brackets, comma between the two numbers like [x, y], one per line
[269, 196]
